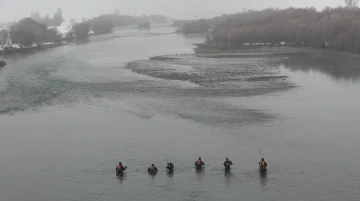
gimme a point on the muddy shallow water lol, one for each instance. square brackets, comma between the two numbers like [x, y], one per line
[69, 114]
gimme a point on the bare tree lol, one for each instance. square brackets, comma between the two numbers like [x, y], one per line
[351, 3]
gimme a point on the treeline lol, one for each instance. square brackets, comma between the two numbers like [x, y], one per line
[124, 20]
[105, 23]
[56, 20]
[37, 31]
[27, 33]
[199, 26]
[99, 25]
[336, 28]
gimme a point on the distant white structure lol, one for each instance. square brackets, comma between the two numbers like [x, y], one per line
[63, 29]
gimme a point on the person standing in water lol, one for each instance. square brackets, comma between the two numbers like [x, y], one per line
[227, 164]
[170, 166]
[199, 163]
[120, 168]
[152, 169]
[262, 164]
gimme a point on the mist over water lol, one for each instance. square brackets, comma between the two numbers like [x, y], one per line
[70, 114]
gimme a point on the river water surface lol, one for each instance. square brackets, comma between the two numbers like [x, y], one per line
[68, 115]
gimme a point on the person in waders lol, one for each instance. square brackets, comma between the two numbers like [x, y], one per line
[152, 169]
[227, 164]
[199, 164]
[170, 166]
[262, 165]
[120, 168]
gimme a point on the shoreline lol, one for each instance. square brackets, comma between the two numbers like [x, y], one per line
[31, 49]
[204, 50]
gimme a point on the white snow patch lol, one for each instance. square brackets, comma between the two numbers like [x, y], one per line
[63, 29]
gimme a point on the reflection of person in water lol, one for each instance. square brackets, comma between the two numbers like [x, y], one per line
[263, 178]
[170, 173]
[200, 172]
[121, 177]
[228, 177]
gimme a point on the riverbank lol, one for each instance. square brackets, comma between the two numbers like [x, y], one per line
[17, 49]
[203, 48]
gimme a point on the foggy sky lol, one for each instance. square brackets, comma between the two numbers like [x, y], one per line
[12, 10]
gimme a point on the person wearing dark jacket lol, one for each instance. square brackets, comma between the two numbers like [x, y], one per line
[152, 169]
[227, 164]
[199, 163]
[120, 168]
[170, 166]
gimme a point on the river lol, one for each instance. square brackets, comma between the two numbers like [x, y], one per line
[68, 115]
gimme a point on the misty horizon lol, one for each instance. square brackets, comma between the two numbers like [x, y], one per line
[11, 11]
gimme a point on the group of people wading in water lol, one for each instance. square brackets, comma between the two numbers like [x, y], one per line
[199, 165]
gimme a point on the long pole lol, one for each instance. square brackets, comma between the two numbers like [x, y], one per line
[260, 152]
[165, 158]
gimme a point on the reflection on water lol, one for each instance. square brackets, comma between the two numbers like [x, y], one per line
[228, 175]
[200, 173]
[197, 36]
[335, 64]
[263, 178]
[152, 174]
[170, 173]
[82, 41]
[121, 177]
